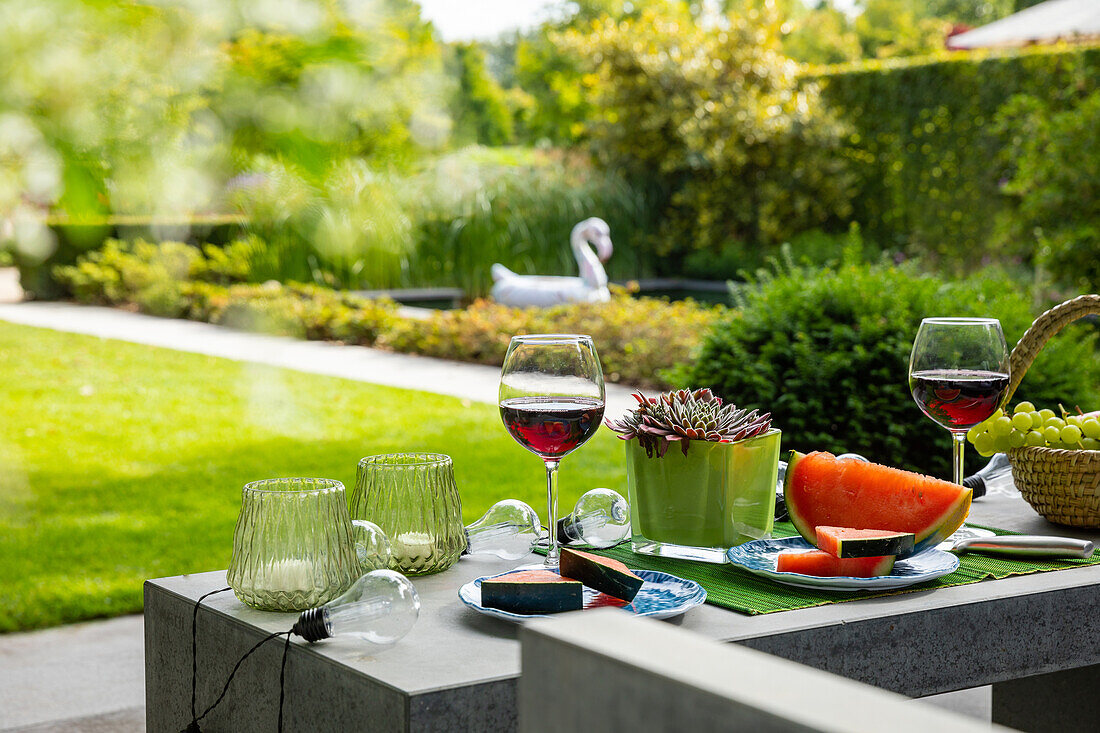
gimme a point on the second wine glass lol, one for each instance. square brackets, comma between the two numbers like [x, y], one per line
[958, 374]
[552, 402]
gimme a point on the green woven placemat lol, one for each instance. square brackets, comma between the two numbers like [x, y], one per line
[731, 587]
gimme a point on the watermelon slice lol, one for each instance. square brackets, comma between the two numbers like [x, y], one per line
[532, 591]
[602, 573]
[818, 562]
[821, 491]
[848, 542]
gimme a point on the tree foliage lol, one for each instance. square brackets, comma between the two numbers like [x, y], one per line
[713, 119]
[479, 107]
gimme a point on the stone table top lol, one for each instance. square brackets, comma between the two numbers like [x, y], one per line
[453, 646]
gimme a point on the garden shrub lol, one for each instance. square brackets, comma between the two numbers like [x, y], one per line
[637, 338]
[929, 160]
[827, 351]
[176, 280]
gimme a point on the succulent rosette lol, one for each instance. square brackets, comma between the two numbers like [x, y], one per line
[685, 415]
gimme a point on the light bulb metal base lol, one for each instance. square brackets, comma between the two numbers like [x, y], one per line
[311, 625]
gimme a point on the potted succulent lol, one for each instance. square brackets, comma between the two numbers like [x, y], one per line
[701, 474]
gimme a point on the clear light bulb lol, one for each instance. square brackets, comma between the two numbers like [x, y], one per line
[601, 518]
[380, 607]
[372, 546]
[508, 530]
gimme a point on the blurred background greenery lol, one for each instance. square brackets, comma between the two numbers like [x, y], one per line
[250, 162]
[363, 151]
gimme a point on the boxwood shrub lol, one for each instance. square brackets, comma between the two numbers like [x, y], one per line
[827, 352]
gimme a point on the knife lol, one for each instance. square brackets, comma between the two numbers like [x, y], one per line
[1024, 546]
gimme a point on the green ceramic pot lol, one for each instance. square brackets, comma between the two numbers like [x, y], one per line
[696, 506]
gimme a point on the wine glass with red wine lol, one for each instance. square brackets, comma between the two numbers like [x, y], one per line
[958, 373]
[551, 401]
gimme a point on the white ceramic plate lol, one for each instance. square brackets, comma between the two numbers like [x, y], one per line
[661, 596]
[760, 556]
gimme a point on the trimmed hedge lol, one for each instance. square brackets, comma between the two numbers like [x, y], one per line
[928, 158]
[638, 337]
[77, 237]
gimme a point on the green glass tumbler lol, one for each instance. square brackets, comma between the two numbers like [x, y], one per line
[413, 498]
[296, 547]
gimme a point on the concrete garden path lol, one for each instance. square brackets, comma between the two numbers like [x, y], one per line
[89, 677]
[475, 382]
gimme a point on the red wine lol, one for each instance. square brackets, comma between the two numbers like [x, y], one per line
[958, 399]
[551, 426]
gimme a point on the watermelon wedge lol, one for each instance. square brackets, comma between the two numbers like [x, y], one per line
[848, 542]
[532, 591]
[821, 491]
[602, 573]
[818, 562]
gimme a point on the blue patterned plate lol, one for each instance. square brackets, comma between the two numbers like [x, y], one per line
[661, 596]
[759, 557]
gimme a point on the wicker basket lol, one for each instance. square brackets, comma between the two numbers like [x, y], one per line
[1062, 485]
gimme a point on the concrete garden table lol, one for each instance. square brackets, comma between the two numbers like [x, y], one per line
[1035, 638]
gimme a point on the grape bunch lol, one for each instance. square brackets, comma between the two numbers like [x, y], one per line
[1042, 428]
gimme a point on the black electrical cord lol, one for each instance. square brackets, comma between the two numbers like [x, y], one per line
[193, 726]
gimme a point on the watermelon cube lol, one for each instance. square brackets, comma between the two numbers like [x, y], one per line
[849, 542]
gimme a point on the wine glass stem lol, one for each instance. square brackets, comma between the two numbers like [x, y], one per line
[958, 441]
[552, 512]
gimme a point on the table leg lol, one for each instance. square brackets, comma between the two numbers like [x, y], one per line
[1065, 702]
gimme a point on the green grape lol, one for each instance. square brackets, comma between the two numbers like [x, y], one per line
[1052, 434]
[1046, 414]
[1002, 426]
[1001, 444]
[973, 433]
[1021, 421]
[1036, 420]
[984, 445]
[1025, 407]
[1091, 427]
[1074, 420]
[1035, 438]
[1090, 444]
[1054, 422]
[1071, 434]
[1017, 439]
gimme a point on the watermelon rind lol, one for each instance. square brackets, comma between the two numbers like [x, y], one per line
[927, 535]
[601, 573]
[888, 542]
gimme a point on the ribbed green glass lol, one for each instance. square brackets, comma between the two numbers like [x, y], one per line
[292, 547]
[413, 498]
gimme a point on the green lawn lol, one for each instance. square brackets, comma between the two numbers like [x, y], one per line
[121, 462]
